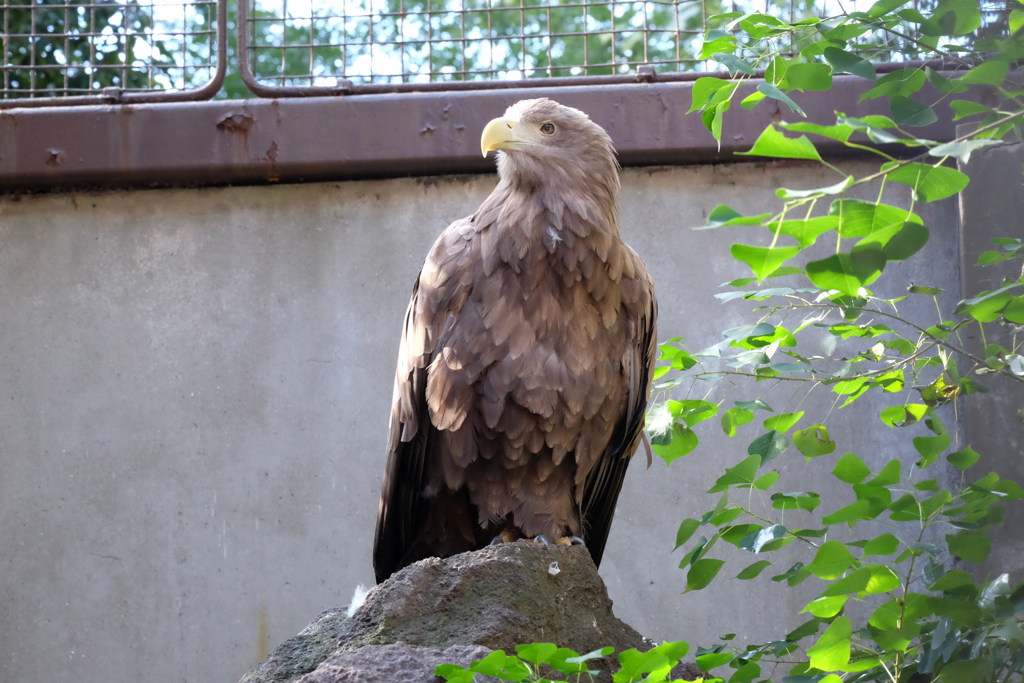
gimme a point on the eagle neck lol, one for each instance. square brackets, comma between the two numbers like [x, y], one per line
[584, 208]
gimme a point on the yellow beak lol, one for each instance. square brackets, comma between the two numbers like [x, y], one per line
[497, 135]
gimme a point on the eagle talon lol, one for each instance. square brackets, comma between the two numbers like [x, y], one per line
[497, 540]
[541, 539]
[576, 540]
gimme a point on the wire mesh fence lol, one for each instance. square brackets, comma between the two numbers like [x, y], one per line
[314, 42]
[86, 50]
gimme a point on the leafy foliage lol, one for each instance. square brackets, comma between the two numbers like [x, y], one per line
[927, 618]
[548, 663]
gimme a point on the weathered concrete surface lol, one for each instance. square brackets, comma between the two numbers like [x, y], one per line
[498, 597]
[992, 206]
[195, 391]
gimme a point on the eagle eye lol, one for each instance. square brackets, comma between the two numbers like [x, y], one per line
[548, 128]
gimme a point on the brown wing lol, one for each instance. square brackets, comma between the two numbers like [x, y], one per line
[401, 499]
[437, 295]
[601, 490]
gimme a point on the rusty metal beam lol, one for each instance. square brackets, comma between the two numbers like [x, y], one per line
[368, 136]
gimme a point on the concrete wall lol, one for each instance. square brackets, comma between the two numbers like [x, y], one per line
[991, 206]
[194, 391]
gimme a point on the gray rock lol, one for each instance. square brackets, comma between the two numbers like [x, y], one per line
[392, 663]
[497, 598]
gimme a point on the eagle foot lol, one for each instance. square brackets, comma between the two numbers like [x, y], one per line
[508, 535]
[541, 539]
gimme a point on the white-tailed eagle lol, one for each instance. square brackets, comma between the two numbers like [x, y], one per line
[526, 357]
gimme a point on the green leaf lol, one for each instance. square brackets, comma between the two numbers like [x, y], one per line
[758, 538]
[961, 671]
[809, 76]
[674, 651]
[756, 404]
[785, 193]
[841, 133]
[796, 501]
[453, 673]
[772, 143]
[733, 63]
[929, 183]
[883, 7]
[930, 446]
[713, 659]
[831, 561]
[753, 570]
[826, 608]
[743, 473]
[911, 113]
[782, 422]
[961, 150]
[734, 418]
[538, 653]
[851, 469]
[986, 73]
[965, 108]
[889, 475]
[680, 441]
[952, 18]
[969, 545]
[751, 100]
[943, 84]
[903, 416]
[1016, 20]
[963, 459]
[694, 411]
[847, 62]
[503, 666]
[568, 662]
[723, 215]
[768, 446]
[686, 530]
[737, 533]
[633, 664]
[967, 613]
[805, 232]
[847, 273]
[746, 673]
[897, 243]
[886, 544]
[851, 514]
[813, 441]
[769, 90]
[988, 306]
[858, 218]
[701, 573]
[952, 579]
[704, 89]
[902, 82]
[869, 580]
[763, 261]
[832, 651]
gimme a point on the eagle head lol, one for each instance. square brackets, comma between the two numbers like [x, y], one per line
[542, 141]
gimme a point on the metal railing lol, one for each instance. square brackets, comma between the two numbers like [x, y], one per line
[96, 51]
